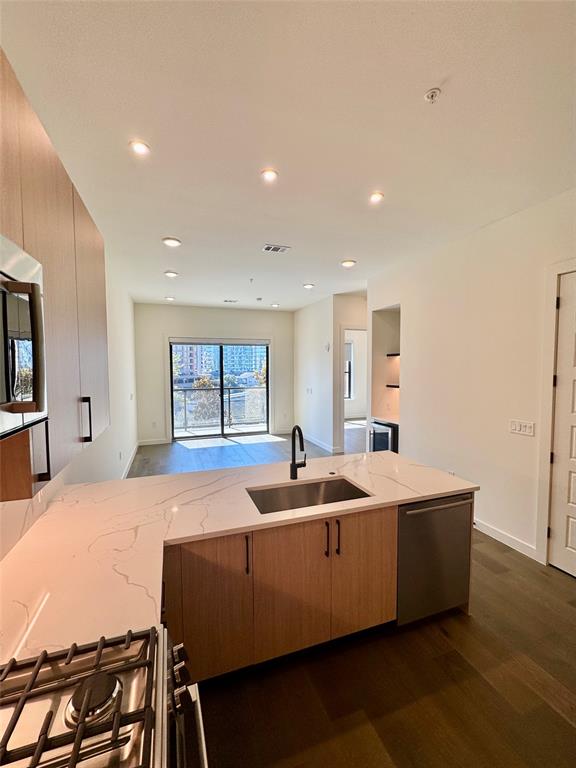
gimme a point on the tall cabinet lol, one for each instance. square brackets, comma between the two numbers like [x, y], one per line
[42, 212]
[92, 333]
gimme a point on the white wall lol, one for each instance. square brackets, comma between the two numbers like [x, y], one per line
[472, 338]
[314, 372]
[155, 324]
[355, 407]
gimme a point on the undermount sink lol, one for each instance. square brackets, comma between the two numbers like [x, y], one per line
[293, 495]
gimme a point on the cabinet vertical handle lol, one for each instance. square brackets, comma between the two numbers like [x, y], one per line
[87, 399]
[247, 541]
[337, 537]
[43, 477]
[327, 550]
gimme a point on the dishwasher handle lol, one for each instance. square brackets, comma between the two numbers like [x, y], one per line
[432, 505]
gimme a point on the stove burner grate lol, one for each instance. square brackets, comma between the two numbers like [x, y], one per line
[97, 692]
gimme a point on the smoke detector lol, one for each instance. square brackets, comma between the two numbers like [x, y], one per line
[432, 95]
[271, 248]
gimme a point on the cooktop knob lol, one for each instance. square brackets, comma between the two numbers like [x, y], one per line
[179, 652]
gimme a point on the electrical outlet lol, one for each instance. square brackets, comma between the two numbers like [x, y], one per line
[526, 428]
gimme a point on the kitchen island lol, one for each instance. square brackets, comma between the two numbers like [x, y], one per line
[93, 563]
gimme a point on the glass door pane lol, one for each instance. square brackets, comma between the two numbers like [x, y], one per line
[245, 388]
[196, 390]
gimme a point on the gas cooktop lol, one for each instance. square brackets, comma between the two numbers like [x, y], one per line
[93, 704]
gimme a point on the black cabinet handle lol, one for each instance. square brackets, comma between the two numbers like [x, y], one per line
[337, 537]
[87, 399]
[247, 540]
[43, 477]
[327, 550]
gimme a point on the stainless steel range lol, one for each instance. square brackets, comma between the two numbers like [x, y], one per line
[120, 702]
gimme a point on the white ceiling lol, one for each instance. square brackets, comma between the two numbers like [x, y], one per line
[331, 94]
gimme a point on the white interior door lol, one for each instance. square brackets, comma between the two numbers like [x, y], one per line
[562, 551]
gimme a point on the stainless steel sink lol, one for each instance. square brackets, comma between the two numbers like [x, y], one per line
[305, 494]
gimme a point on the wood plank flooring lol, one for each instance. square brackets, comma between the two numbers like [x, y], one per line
[219, 453]
[494, 689]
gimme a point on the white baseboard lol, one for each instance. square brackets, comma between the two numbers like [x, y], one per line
[322, 444]
[161, 441]
[518, 544]
[129, 462]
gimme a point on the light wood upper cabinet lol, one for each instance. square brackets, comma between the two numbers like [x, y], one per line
[217, 604]
[92, 334]
[363, 570]
[11, 103]
[48, 220]
[292, 569]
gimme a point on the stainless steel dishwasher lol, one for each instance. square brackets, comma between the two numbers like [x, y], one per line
[433, 556]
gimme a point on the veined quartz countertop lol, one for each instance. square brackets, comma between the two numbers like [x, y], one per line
[92, 564]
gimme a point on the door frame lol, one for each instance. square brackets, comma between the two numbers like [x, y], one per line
[546, 440]
[169, 400]
[338, 405]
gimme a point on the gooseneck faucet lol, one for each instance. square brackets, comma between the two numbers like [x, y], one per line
[296, 465]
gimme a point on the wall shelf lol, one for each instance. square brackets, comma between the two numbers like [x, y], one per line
[393, 354]
[393, 386]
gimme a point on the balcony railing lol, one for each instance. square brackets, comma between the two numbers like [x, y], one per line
[197, 410]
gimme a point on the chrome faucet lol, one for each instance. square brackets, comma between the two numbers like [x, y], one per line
[296, 465]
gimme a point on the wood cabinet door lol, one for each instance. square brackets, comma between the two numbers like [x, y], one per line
[364, 570]
[291, 588]
[48, 222]
[11, 101]
[217, 604]
[92, 333]
[15, 467]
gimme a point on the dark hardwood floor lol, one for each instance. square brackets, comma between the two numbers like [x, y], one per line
[219, 453]
[496, 688]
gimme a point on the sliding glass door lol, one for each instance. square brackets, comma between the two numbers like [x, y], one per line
[219, 389]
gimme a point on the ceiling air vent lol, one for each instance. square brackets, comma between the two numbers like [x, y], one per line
[271, 248]
[230, 301]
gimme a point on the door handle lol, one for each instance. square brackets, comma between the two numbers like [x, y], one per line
[87, 399]
[247, 540]
[327, 550]
[337, 537]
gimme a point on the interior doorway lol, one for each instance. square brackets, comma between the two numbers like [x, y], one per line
[562, 546]
[355, 358]
[219, 390]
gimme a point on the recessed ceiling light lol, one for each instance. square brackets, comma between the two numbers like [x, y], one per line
[308, 286]
[269, 175]
[169, 298]
[171, 273]
[348, 263]
[139, 147]
[376, 197]
[172, 242]
[275, 305]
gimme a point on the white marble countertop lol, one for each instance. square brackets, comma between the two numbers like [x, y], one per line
[92, 564]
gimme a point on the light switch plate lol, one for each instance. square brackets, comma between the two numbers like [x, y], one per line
[518, 427]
